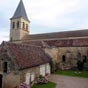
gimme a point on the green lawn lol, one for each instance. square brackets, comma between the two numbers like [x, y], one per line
[48, 85]
[72, 73]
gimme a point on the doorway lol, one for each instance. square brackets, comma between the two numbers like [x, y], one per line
[0, 80]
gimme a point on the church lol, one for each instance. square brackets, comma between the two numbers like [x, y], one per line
[26, 56]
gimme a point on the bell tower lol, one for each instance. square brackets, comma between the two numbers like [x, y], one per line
[19, 23]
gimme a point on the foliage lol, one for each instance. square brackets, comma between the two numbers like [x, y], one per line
[80, 65]
[48, 85]
[72, 73]
[41, 76]
[41, 80]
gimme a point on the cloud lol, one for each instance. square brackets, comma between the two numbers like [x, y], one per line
[49, 15]
[46, 12]
[58, 13]
[84, 24]
[4, 35]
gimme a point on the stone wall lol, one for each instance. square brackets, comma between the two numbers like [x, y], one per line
[10, 80]
[53, 53]
[35, 70]
[69, 53]
[31, 71]
[18, 33]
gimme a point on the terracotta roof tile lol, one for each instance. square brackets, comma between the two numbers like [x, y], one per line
[68, 42]
[27, 56]
[36, 43]
[60, 43]
[33, 43]
[65, 34]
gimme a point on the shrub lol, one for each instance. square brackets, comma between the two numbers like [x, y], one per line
[80, 65]
[41, 80]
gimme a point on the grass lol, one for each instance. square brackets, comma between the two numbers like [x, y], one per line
[72, 73]
[47, 85]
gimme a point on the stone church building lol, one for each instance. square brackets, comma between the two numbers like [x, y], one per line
[26, 56]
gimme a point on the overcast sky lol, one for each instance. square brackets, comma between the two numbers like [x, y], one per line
[46, 15]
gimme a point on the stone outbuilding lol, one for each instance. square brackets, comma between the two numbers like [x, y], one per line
[22, 63]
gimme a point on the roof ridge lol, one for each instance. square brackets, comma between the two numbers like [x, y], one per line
[59, 32]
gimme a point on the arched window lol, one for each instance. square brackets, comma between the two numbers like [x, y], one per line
[5, 67]
[63, 58]
[17, 24]
[84, 58]
[13, 25]
[26, 26]
[23, 25]
[68, 56]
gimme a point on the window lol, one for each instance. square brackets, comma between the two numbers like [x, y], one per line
[5, 67]
[63, 58]
[11, 39]
[17, 24]
[13, 25]
[84, 58]
[26, 26]
[23, 25]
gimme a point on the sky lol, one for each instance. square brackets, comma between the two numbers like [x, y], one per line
[46, 15]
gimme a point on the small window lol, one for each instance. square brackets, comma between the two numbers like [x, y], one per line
[13, 25]
[63, 58]
[84, 58]
[11, 39]
[18, 24]
[23, 25]
[5, 67]
[26, 26]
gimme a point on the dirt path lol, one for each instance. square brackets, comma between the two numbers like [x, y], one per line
[69, 82]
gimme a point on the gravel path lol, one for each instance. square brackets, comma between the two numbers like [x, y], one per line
[69, 82]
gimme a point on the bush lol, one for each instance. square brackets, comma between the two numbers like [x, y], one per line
[41, 80]
[80, 65]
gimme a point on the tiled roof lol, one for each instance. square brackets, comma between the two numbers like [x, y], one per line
[33, 43]
[36, 43]
[68, 42]
[78, 42]
[55, 35]
[27, 56]
[20, 11]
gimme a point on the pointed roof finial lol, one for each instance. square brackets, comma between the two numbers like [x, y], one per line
[20, 11]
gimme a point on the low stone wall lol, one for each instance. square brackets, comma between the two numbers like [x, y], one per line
[11, 80]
